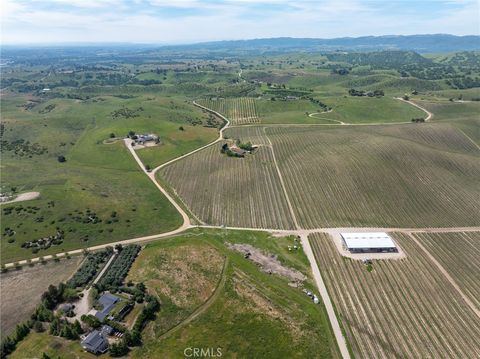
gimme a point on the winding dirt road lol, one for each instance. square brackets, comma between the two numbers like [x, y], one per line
[429, 114]
[302, 233]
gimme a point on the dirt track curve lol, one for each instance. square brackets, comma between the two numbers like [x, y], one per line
[302, 233]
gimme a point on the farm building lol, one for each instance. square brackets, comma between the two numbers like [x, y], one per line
[374, 242]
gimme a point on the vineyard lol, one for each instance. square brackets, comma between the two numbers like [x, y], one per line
[403, 308]
[392, 176]
[459, 254]
[382, 176]
[222, 190]
[239, 111]
[255, 134]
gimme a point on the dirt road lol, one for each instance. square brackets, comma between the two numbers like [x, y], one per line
[303, 233]
[447, 276]
[82, 306]
[290, 207]
[429, 114]
[342, 344]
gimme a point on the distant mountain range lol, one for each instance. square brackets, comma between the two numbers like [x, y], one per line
[418, 43]
[91, 52]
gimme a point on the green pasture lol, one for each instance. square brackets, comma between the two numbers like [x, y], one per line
[97, 176]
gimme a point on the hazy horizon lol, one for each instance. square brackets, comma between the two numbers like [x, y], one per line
[161, 22]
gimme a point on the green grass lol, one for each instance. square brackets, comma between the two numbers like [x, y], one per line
[97, 176]
[351, 109]
[451, 111]
[35, 344]
[235, 322]
[284, 112]
[176, 144]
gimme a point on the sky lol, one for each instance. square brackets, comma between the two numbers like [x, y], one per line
[190, 21]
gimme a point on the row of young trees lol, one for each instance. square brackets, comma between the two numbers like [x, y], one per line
[133, 338]
[89, 268]
[118, 270]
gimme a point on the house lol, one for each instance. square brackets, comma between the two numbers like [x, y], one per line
[107, 301]
[95, 343]
[141, 139]
[238, 151]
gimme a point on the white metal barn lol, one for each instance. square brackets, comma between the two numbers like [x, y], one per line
[371, 242]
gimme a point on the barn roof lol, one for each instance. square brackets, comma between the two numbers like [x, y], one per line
[367, 240]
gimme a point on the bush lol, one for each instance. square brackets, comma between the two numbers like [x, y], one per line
[91, 320]
[61, 159]
[118, 350]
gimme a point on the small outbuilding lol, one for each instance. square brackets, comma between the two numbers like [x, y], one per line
[107, 330]
[368, 242]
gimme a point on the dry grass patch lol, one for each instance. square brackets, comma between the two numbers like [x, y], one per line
[21, 289]
[183, 277]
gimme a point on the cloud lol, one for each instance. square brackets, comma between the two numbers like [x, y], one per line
[181, 21]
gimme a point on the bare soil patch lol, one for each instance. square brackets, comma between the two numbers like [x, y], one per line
[27, 196]
[268, 263]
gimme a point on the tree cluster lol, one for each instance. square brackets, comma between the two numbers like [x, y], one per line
[375, 93]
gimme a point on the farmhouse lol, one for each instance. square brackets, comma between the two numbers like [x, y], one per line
[142, 139]
[374, 242]
[107, 301]
[235, 149]
[95, 343]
